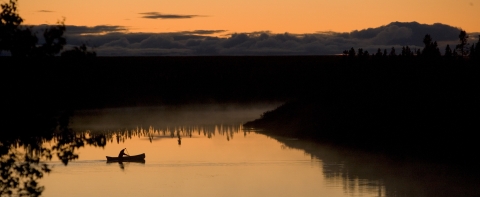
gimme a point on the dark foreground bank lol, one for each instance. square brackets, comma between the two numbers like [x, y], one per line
[407, 108]
[402, 105]
[122, 81]
[35, 89]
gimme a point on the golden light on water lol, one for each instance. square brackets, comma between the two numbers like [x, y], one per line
[218, 157]
[246, 164]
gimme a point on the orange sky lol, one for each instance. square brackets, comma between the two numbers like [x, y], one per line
[277, 16]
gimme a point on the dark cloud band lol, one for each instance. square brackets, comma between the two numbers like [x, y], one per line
[203, 32]
[99, 29]
[156, 15]
[116, 41]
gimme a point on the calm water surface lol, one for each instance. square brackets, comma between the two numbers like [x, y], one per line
[205, 151]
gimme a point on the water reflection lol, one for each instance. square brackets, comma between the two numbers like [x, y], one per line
[358, 172]
[180, 138]
[122, 167]
[23, 158]
[122, 164]
[153, 133]
[23, 154]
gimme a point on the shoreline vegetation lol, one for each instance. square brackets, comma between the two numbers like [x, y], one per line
[406, 102]
[417, 105]
[402, 106]
[414, 104]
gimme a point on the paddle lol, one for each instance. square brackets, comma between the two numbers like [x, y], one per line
[127, 152]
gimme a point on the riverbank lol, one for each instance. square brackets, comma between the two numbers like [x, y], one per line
[407, 108]
[402, 105]
[41, 89]
[141, 81]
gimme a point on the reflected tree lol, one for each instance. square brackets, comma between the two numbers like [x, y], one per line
[360, 171]
[23, 155]
[20, 174]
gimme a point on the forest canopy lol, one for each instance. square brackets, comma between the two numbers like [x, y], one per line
[22, 41]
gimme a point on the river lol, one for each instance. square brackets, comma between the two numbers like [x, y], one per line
[203, 150]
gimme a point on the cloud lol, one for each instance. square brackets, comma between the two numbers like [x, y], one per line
[121, 51]
[99, 29]
[115, 40]
[45, 11]
[122, 42]
[203, 32]
[406, 33]
[156, 15]
[392, 34]
[158, 41]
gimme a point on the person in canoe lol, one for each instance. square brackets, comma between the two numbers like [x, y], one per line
[122, 153]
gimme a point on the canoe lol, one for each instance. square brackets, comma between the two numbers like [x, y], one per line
[139, 157]
[128, 161]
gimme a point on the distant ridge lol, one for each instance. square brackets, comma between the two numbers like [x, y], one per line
[115, 41]
[408, 33]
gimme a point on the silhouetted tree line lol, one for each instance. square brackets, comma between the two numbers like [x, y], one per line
[22, 41]
[408, 102]
[430, 50]
[424, 109]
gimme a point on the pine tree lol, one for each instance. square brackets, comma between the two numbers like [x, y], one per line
[454, 54]
[360, 52]
[379, 52]
[463, 46]
[408, 51]
[436, 50]
[392, 52]
[472, 51]
[419, 53]
[366, 54]
[431, 48]
[22, 41]
[351, 53]
[448, 51]
[477, 48]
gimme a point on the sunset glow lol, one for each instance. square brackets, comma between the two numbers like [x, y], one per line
[304, 16]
